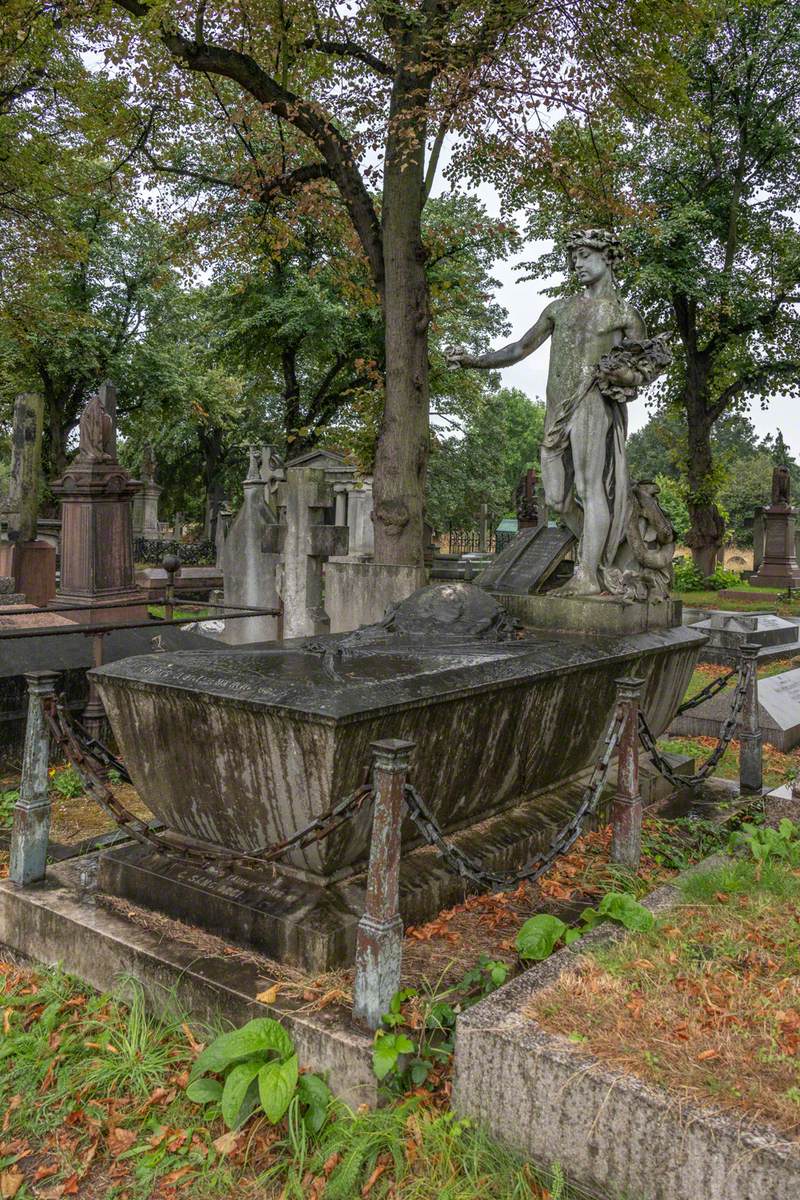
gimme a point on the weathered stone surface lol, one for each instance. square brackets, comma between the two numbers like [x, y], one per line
[359, 593]
[728, 631]
[249, 569]
[527, 562]
[286, 731]
[612, 1133]
[605, 615]
[33, 568]
[189, 581]
[60, 922]
[778, 712]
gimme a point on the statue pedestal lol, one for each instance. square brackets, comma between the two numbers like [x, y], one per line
[97, 543]
[591, 614]
[32, 566]
[779, 567]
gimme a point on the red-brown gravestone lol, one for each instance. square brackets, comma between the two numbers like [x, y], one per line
[96, 530]
[779, 567]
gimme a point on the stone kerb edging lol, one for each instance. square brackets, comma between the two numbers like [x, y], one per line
[610, 1132]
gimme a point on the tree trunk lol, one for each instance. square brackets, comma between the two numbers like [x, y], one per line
[707, 525]
[402, 450]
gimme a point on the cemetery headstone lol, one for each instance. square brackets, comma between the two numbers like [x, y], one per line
[729, 631]
[26, 558]
[528, 562]
[529, 511]
[97, 535]
[778, 712]
[308, 542]
[145, 502]
[779, 567]
[249, 570]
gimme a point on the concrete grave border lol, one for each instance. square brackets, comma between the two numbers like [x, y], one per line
[59, 923]
[610, 1131]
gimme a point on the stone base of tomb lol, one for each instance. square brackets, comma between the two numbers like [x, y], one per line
[117, 947]
[312, 926]
[358, 592]
[605, 614]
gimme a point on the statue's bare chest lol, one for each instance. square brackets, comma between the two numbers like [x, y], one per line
[586, 320]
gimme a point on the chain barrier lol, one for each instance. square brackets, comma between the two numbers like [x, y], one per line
[469, 868]
[648, 740]
[707, 692]
[92, 761]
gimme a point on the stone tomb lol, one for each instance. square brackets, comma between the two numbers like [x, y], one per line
[243, 748]
[778, 712]
[728, 631]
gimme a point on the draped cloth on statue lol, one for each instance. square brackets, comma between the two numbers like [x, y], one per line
[616, 480]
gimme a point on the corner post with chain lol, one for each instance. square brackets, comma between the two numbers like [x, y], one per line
[626, 809]
[30, 833]
[379, 938]
[94, 714]
[750, 764]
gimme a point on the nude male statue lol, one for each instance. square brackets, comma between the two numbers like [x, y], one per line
[583, 463]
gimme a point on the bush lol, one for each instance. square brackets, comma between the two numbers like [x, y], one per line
[687, 578]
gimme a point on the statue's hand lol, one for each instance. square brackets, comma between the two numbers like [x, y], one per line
[455, 356]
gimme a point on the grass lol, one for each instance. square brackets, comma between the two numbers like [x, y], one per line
[92, 1093]
[748, 599]
[707, 1004]
[156, 611]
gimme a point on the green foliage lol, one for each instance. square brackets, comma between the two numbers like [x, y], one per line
[259, 1066]
[680, 842]
[672, 498]
[423, 1026]
[765, 844]
[687, 578]
[537, 938]
[67, 782]
[8, 798]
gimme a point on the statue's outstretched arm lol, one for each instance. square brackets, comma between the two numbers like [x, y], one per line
[514, 352]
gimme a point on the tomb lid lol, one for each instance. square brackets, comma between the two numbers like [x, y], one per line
[320, 684]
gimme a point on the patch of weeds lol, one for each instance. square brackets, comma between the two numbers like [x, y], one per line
[8, 798]
[66, 782]
[415, 1045]
[539, 936]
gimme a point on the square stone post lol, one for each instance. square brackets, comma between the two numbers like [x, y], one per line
[379, 939]
[626, 809]
[94, 714]
[31, 830]
[750, 765]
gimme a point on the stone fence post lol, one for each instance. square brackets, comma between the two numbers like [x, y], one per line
[750, 766]
[31, 830]
[626, 809]
[379, 939]
[172, 565]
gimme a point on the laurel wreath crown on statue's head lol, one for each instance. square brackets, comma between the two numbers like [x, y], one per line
[603, 240]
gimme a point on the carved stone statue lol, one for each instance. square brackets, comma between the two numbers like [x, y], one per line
[525, 501]
[600, 357]
[97, 442]
[781, 485]
[148, 464]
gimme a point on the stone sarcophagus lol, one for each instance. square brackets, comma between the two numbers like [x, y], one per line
[242, 748]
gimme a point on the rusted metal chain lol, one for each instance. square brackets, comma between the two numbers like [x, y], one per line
[648, 740]
[92, 760]
[469, 868]
[707, 692]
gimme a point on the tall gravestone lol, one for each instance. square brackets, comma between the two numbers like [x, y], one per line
[145, 502]
[308, 541]
[779, 566]
[27, 559]
[97, 564]
[249, 569]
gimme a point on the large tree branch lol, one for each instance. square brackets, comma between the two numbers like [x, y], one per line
[348, 49]
[759, 321]
[769, 373]
[304, 115]
[291, 181]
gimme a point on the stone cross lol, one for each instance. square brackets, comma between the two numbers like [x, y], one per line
[308, 542]
[26, 449]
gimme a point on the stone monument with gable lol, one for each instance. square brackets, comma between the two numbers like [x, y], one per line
[145, 502]
[779, 566]
[249, 568]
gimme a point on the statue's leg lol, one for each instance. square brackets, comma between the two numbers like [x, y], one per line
[588, 435]
[559, 492]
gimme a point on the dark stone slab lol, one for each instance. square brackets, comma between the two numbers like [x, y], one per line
[527, 562]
